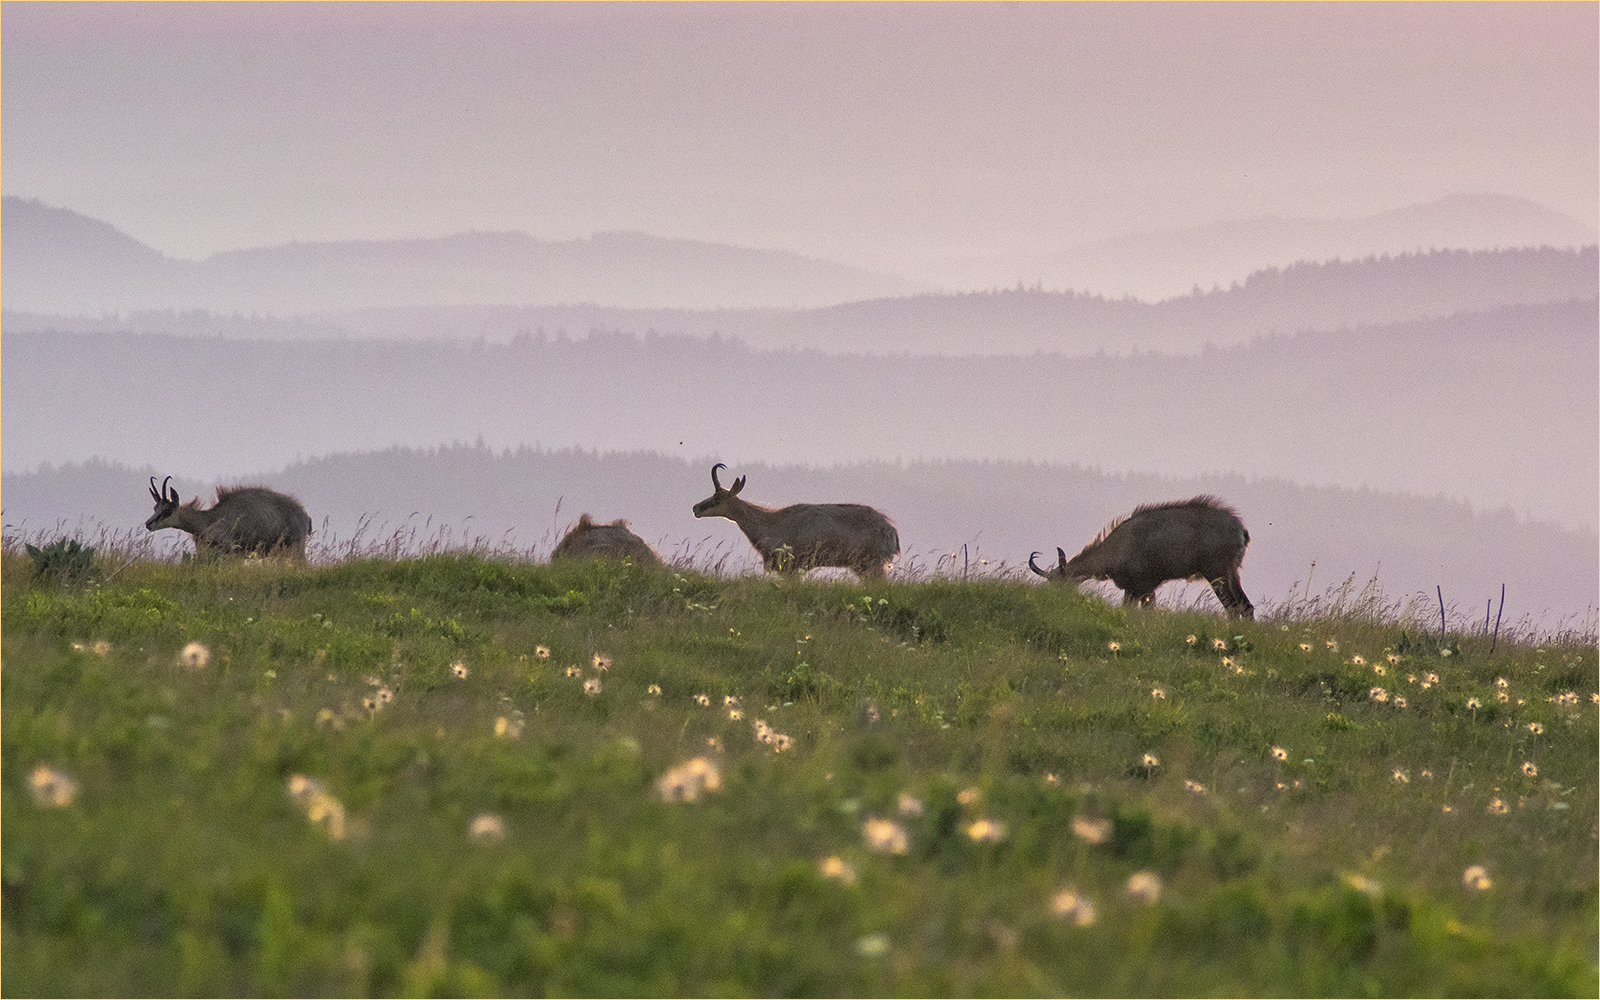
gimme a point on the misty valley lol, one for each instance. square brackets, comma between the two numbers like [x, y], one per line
[1425, 419]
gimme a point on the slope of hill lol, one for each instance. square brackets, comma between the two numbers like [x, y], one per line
[1499, 407]
[466, 775]
[1157, 265]
[1322, 296]
[52, 258]
[59, 261]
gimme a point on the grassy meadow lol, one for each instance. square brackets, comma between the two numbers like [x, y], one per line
[470, 774]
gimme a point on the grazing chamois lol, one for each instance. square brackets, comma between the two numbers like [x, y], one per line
[804, 536]
[244, 520]
[1198, 539]
[588, 540]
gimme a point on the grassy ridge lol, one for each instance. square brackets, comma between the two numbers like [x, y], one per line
[377, 784]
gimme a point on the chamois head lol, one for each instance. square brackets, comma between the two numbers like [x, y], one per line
[713, 505]
[1059, 573]
[167, 501]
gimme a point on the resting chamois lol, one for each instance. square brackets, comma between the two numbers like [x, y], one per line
[588, 540]
[804, 536]
[244, 520]
[1198, 539]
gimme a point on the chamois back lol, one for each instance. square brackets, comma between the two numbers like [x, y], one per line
[588, 540]
[1201, 538]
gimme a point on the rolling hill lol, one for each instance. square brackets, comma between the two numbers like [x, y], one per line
[951, 515]
[1160, 265]
[59, 261]
[1326, 296]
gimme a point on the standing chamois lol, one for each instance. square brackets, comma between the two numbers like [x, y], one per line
[1198, 539]
[244, 520]
[804, 536]
[588, 540]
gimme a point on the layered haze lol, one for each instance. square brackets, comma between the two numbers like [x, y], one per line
[1006, 271]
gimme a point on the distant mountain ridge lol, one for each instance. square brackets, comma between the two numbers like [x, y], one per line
[58, 261]
[1327, 296]
[1160, 265]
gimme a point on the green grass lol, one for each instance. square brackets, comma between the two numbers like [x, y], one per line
[183, 865]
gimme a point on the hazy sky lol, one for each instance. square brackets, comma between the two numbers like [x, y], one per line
[862, 132]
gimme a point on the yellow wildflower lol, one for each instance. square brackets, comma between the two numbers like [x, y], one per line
[987, 831]
[886, 836]
[487, 826]
[1095, 831]
[52, 788]
[1144, 886]
[1067, 904]
[837, 869]
[687, 782]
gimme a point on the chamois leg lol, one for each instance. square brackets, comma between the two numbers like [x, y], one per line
[871, 572]
[1139, 598]
[1231, 593]
[782, 560]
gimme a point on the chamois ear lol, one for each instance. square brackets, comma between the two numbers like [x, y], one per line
[1062, 555]
[738, 484]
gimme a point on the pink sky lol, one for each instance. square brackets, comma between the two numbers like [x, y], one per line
[865, 133]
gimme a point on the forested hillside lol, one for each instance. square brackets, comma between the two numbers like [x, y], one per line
[1498, 408]
[1328, 295]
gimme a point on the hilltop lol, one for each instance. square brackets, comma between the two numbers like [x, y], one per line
[953, 516]
[57, 260]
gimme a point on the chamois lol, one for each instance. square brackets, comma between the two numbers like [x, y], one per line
[244, 520]
[803, 536]
[588, 540]
[1198, 539]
